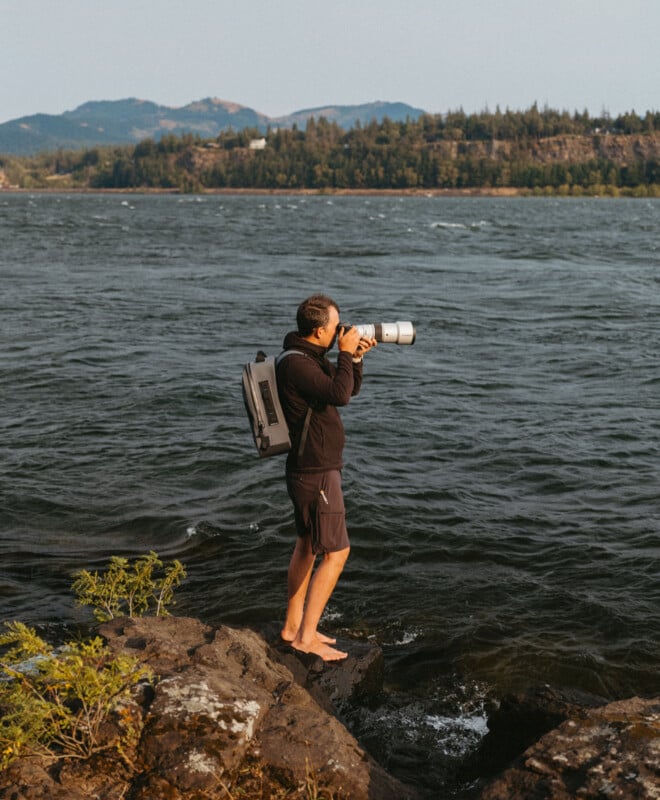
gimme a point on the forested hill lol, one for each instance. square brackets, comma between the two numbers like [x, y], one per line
[531, 151]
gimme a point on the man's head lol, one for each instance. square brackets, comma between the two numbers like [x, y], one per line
[318, 318]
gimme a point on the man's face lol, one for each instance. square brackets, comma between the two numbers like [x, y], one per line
[328, 333]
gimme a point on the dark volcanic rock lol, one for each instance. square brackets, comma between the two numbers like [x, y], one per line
[521, 719]
[608, 752]
[226, 704]
[223, 698]
[357, 679]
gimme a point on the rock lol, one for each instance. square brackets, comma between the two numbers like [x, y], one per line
[521, 719]
[34, 779]
[356, 680]
[225, 703]
[608, 752]
[232, 716]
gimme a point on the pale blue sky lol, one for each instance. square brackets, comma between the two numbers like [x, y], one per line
[280, 57]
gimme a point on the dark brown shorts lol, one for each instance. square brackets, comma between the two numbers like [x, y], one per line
[318, 504]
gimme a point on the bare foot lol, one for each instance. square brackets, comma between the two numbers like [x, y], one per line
[321, 649]
[321, 637]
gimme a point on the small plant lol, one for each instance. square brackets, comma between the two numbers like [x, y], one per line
[311, 789]
[55, 703]
[129, 589]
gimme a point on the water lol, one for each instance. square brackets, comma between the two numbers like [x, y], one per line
[502, 475]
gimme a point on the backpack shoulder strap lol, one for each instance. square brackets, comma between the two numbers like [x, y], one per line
[308, 415]
[286, 353]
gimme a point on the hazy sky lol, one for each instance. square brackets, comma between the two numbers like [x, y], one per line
[280, 57]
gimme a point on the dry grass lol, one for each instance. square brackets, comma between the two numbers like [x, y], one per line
[256, 781]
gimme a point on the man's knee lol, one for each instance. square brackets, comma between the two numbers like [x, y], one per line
[338, 556]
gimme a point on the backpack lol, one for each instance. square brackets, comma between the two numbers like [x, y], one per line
[262, 403]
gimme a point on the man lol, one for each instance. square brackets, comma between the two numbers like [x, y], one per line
[307, 380]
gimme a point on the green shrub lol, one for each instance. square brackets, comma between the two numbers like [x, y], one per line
[127, 589]
[55, 703]
[58, 703]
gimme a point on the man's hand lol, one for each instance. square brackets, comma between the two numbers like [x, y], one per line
[348, 340]
[363, 346]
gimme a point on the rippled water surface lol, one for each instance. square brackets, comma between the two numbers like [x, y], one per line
[502, 475]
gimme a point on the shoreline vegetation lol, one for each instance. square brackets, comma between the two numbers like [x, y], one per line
[504, 192]
[653, 192]
[531, 153]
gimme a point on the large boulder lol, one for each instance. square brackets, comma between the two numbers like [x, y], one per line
[225, 705]
[356, 680]
[607, 752]
[519, 720]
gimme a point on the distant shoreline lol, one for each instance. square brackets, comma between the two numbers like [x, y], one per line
[498, 192]
[493, 192]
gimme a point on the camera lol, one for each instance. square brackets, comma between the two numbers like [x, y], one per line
[393, 332]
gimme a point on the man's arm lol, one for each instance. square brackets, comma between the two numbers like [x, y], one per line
[308, 379]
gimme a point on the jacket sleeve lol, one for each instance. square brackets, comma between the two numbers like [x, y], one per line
[307, 378]
[357, 377]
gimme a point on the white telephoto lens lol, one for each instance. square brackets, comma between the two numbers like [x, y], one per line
[394, 332]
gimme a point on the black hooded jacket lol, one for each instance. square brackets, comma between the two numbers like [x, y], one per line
[307, 378]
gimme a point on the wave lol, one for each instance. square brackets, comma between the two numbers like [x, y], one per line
[471, 226]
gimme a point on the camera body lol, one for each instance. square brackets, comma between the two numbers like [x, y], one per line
[393, 332]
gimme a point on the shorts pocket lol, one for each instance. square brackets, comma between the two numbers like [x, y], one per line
[330, 534]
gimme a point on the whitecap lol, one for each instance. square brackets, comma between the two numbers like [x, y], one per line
[202, 529]
[329, 615]
[449, 225]
[477, 724]
[457, 736]
[452, 736]
[407, 637]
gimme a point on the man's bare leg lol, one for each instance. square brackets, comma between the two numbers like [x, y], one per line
[320, 588]
[300, 572]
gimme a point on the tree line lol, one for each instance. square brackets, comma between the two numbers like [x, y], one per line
[449, 151]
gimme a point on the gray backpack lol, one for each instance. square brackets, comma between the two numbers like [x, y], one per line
[262, 403]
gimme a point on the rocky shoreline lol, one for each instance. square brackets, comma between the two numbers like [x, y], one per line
[236, 713]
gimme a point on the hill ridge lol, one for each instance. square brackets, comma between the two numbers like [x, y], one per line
[130, 120]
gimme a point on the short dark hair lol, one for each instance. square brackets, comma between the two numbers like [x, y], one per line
[314, 313]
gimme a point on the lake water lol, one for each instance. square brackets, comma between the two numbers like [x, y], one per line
[502, 475]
